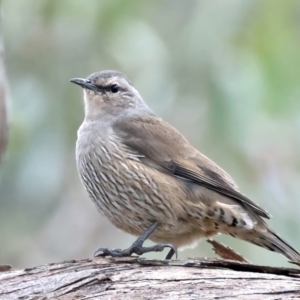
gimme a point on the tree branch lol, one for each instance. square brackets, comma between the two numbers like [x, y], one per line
[137, 278]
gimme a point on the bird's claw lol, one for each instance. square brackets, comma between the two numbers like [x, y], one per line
[161, 247]
[103, 252]
[134, 249]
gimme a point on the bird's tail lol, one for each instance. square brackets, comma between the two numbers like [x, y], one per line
[271, 241]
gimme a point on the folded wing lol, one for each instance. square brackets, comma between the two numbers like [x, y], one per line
[162, 147]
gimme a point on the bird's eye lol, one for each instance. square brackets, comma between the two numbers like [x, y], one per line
[114, 88]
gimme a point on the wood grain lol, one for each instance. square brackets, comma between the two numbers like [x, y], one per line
[137, 278]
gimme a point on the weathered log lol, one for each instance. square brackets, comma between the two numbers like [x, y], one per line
[137, 278]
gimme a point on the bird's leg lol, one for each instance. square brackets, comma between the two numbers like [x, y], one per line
[137, 246]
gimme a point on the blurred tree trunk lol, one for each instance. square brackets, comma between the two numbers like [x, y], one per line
[137, 278]
[3, 112]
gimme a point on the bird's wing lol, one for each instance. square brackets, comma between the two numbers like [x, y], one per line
[162, 147]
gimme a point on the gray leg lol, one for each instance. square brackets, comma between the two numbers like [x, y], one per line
[137, 246]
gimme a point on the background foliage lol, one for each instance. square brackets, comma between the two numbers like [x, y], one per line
[225, 73]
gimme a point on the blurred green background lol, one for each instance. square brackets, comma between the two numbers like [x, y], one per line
[226, 73]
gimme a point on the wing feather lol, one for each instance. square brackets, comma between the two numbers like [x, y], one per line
[162, 147]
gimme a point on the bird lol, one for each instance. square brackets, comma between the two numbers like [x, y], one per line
[149, 181]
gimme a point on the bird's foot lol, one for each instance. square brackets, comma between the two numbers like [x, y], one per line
[135, 248]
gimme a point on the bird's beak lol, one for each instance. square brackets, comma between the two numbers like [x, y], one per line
[84, 83]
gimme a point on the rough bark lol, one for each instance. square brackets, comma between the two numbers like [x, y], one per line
[136, 278]
[3, 114]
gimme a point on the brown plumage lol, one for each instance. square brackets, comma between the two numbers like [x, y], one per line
[140, 171]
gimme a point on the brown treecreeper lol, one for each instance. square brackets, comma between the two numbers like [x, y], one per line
[147, 179]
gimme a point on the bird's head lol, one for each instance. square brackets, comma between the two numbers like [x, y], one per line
[109, 95]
